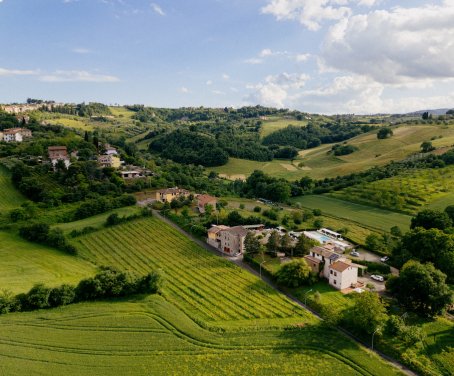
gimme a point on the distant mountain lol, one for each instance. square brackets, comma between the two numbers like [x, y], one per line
[439, 111]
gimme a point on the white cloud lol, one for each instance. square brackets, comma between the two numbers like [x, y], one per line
[395, 46]
[17, 72]
[77, 76]
[225, 76]
[276, 90]
[312, 13]
[183, 90]
[81, 51]
[217, 92]
[209, 83]
[157, 9]
[302, 57]
[253, 61]
[266, 52]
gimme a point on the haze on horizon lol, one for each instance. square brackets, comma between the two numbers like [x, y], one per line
[329, 56]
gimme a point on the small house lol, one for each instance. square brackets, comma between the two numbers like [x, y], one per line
[204, 200]
[167, 195]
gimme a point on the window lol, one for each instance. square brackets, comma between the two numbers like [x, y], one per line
[335, 282]
[335, 274]
[331, 271]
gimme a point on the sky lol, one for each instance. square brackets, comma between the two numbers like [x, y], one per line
[324, 56]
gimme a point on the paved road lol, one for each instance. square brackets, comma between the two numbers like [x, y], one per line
[239, 261]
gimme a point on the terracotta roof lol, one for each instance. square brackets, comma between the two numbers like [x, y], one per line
[12, 130]
[173, 190]
[313, 259]
[238, 230]
[205, 199]
[216, 229]
[340, 266]
[325, 253]
[55, 148]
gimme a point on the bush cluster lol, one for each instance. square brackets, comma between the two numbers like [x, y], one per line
[109, 283]
[43, 234]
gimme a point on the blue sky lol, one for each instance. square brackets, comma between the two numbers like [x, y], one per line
[328, 56]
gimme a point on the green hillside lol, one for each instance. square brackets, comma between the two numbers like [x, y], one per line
[10, 198]
[151, 336]
[318, 163]
[408, 192]
[23, 264]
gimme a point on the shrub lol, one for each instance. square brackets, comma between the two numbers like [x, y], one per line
[257, 209]
[38, 297]
[294, 274]
[63, 295]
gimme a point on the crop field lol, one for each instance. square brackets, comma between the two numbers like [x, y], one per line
[10, 198]
[97, 221]
[372, 152]
[242, 168]
[318, 163]
[407, 192]
[23, 264]
[210, 290]
[151, 336]
[367, 216]
[274, 124]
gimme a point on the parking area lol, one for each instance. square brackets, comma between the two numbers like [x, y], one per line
[379, 286]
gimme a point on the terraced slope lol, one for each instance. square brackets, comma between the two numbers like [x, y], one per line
[10, 198]
[153, 337]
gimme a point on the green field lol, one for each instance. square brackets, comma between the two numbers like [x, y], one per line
[10, 198]
[318, 164]
[242, 168]
[364, 215]
[210, 290]
[99, 220]
[152, 337]
[212, 318]
[22, 264]
[408, 192]
[273, 125]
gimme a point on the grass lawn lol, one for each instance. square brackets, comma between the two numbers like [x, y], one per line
[150, 336]
[22, 264]
[10, 198]
[367, 216]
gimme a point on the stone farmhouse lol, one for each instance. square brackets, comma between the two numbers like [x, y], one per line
[58, 153]
[15, 134]
[109, 160]
[167, 195]
[229, 240]
[204, 200]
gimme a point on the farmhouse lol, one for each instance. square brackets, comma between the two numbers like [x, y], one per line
[229, 240]
[339, 271]
[167, 195]
[204, 200]
[16, 134]
[58, 153]
[131, 174]
[110, 150]
[109, 161]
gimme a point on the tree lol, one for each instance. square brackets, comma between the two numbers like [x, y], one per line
[396, 231]
[286, 243]
[375, 243]
[449, 210]
[431, 219]
[384, 132]
[7, 301]
[273, 242]
[62, 295]
[432, 245]
[38, 297]
[427, 146]
[368, 313]
[421, 288]
[425, 115]
[252, 244]
[294, 274]
[303, 246]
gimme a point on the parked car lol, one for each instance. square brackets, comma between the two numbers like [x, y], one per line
[384, 259]
[354, 253]
[378, 278]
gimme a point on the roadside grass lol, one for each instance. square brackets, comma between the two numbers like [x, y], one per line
[408, 192]
[367, 216]
[22, 264]
[149, 335]
[10, 198]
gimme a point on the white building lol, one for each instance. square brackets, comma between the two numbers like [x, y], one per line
[340, 272]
